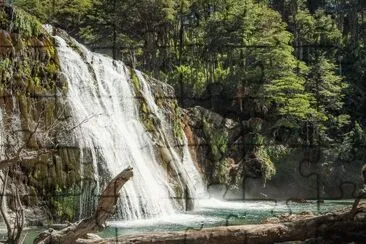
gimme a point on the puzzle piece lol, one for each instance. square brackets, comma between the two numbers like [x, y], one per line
[215, 97]
[188, 229]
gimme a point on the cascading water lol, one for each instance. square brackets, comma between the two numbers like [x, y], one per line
[104, 106]
[185, 165]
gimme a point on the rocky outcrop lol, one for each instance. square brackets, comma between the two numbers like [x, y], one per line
[164, 125]
[35, 116]
[215, 143]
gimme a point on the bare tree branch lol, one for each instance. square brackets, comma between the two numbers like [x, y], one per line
[3, 203]
[84, 121]
[94, 223]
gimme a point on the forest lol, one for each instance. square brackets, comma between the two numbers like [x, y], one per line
[294, 68]
[269, 96]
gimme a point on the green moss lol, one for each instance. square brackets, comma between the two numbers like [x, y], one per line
[145, 113]
[221, 170]
[135, 81]
[52, 68]
[36, 81]
[4, 19]
[64, 203]
[31, 70]
[268, 167]
[5, 68]
[149, 125]
[254, 139]
[49, 114]
[178, 129]
[26, 24]
[143, 107]
[218, 140]
[52, 53]
[178, 125]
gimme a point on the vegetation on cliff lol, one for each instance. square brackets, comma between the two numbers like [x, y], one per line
[34, 116]
[29, 63]
[295, 67]
[290, 76]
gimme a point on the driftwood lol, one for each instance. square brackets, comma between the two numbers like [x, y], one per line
[94, 223]
[339, 227]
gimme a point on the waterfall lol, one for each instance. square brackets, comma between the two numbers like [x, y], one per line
[104, 109]
[185, 165]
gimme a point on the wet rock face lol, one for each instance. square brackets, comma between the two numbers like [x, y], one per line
[35, 115]
[215, 144]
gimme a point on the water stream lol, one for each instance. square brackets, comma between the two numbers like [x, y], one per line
[105, 108]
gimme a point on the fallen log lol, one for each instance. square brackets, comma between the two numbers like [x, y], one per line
[94, 223]
[342, 226]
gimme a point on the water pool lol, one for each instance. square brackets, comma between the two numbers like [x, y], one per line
[212, 212]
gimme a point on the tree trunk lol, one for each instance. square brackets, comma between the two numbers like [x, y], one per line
[344, 226]
[94, 223]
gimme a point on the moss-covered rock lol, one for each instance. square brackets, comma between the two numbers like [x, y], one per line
[32, 97]
[28, 59]
[214, 145]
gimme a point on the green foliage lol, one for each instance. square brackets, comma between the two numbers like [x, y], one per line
[319, 28]
[327, 87]
[302, 67]
[268, 167]
[26, 24]
[290, 97]
[64, 204]
[135, 80]
[178, 125]
[220, 172]
[35, 7]
[18, 21]
[67, 14]
[217, 140]
[5, 64]
[352, 147]
[4, 19]
[25, 70]
[192, 78]
[277, 152]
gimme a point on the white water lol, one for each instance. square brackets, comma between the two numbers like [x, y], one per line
[104, 106]
[185, 165]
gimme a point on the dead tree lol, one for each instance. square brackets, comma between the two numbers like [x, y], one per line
[337, 227]
[13, 225]
[17, 151]
[94, 223]
[362, 193]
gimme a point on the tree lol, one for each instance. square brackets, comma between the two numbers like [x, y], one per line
[328, 89]
[94, 223]
[142, 25]
[66, 14]
[315, 34]
[16, 152]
